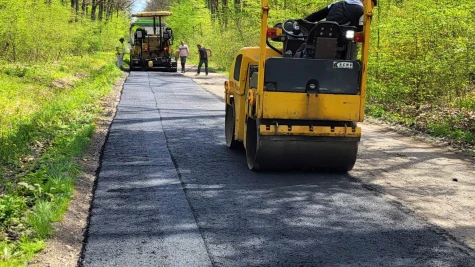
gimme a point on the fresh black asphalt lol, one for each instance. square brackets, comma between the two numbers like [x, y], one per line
[170, 193]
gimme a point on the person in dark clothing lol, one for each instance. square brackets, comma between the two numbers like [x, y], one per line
[203, 52]
[345, 13]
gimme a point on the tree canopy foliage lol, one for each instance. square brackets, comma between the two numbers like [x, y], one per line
[33, 30]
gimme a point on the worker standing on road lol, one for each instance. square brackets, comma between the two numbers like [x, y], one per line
[184, 53]
[203, 53]
[120, 51]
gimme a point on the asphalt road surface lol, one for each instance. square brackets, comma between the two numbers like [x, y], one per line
[170, 193]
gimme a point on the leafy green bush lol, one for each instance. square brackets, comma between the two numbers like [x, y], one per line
[44, 126]
[52, 77]
[40, 219]
[11, 209]
[34, 31]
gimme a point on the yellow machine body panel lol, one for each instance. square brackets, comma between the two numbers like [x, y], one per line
[284, 105]
[238, 78]
[309, 131]
[300, 106]
[238, 85]
[284, 125]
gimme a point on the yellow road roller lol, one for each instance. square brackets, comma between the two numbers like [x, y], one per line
[294, 101]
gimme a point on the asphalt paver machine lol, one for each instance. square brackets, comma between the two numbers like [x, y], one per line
[294, 101]
[151, 42]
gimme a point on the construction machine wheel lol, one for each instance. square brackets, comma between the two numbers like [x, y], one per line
[229, 126]
[286, 152]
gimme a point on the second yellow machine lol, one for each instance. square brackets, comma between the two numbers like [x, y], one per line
[297, 106]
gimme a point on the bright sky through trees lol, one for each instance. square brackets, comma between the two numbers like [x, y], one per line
[138, 6]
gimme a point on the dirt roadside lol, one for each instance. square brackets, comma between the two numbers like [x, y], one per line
[64, 248]
[431, 180]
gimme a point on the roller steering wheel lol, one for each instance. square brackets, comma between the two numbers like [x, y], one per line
[293, 29]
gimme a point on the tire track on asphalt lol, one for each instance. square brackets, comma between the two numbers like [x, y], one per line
[182, 183]
[140, 215]
[289, 218]
[171, 194]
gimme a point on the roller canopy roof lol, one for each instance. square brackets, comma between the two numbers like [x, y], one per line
[144, 23]
[152, 14]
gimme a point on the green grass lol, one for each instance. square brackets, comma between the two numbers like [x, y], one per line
[40, 218]
[17, 254]
[47, 116]
[439, 122]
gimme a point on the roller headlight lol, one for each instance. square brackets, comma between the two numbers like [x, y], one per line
[296, 27]
[350, 35]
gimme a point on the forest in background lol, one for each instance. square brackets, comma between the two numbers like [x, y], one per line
[422, 53]
[37, 31]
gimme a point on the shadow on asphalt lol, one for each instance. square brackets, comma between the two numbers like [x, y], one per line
[277, 218]
[255, 219]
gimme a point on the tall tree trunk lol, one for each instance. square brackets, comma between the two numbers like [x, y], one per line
[237, 5]
[212, 6]
[93, 9]
[101, 10]
[110, 9]
[225, 13]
